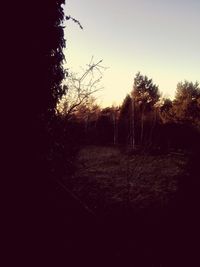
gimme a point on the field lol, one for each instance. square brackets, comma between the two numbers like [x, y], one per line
[108, 179]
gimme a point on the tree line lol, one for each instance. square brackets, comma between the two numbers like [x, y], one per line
[144, 121]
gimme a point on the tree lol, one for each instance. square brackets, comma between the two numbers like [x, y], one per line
[87, 114]
[88, 111]
[39, 75]
[110, 116]
[125, 122]
[145, 95]
[186, 105]
[166, 110]
[45, 72]
[79, 88]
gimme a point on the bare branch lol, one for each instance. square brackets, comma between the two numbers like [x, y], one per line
[80, 88]
[74, 20]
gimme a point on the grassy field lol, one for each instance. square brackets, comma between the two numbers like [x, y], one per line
[107, 178]
[134, 200]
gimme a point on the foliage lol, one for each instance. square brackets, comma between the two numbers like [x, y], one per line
[186, 105]
[88, 111]
[144, 92]
[48, 41]
[145, 96]
[125, 120]
[166, 110]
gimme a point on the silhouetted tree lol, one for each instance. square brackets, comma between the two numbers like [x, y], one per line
[114, 113]
[186, 105]
[125, 121]
[145, 95]
[166, 111]
[39, 38]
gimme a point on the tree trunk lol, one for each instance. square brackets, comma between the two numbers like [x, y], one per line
[142, 127]
[114, 128]
[152, 127]
[132, 125]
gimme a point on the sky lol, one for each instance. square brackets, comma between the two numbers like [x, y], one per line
[159, 38]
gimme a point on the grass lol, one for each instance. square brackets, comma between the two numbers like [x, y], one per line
[107, 178]
[108, 181]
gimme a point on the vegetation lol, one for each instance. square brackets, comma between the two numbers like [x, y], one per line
[101, 177]
[144, 121]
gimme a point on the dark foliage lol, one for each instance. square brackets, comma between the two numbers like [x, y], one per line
[175, 136]
[124, 121]
[47, 217]
[104, 130]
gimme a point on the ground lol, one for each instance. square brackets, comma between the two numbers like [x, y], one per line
[107, 177]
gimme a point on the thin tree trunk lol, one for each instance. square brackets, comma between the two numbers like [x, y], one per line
[132, 124]
[86, 124]
[152, 127]
[142, 127]
[114, 128]
[128, 185]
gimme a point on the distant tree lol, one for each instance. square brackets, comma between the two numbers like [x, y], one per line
[145, 95]
[88, 110]
[125, 132]
[104, 127]
[125, 108]
[88, 114]
[186, 104]
[112, 115]
[166, 110]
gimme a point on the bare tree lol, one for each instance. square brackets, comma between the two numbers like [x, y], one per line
[79, 87]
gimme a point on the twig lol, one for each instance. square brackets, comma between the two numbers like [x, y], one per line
[74, 20]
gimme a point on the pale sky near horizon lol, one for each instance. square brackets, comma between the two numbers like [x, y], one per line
[159, 38]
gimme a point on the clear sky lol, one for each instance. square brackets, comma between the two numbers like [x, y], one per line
[159, 38]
